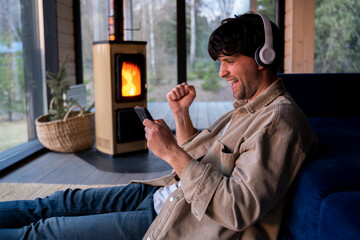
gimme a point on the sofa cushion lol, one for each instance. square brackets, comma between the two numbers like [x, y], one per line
[339, 216]
[336, 168]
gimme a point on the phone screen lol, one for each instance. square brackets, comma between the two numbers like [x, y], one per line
[143, 113]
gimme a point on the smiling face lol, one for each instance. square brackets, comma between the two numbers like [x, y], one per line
[245, 76]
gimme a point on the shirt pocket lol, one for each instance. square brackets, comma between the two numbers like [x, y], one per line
[227, 159]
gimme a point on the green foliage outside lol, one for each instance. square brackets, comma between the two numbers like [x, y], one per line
[12, 134]
[12, 96]
[203, 67]
[211, 80]
[267, 7]
[337, 46]
[208, 71]
[337, 36]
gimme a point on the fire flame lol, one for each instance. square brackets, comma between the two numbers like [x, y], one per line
[131, 79]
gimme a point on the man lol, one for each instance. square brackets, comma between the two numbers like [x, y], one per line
[229, 181]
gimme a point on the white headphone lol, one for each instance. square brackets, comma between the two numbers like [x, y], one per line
[265, 54]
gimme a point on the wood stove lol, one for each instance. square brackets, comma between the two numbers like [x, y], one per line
[120, 85]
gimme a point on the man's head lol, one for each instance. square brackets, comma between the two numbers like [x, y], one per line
[243, 35]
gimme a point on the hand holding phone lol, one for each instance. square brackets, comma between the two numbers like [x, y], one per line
[143, 113]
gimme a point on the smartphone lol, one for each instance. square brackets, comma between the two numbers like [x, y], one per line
[143, 113]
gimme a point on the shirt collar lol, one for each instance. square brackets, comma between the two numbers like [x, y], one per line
[276, 89]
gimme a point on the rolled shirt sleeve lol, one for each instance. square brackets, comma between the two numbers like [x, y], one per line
[200, 182]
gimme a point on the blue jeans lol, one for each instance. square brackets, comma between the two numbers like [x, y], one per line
[124, 212]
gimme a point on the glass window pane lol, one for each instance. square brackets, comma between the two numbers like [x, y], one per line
[157, 22]
[21, 75]
[337, 36]
[150, 21]
[94, 15]
[202, 18]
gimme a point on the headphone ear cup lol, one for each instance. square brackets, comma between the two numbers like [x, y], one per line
[257, 57]
[265, 54]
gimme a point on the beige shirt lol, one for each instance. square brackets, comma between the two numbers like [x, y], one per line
[237, 189]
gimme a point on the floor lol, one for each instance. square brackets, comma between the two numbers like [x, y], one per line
[93, 167]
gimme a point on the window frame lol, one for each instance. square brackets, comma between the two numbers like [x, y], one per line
[20, 152]
[25, 150]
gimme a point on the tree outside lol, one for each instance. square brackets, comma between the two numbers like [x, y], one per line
[337, 36]
[12, 92]
[336, 39]
[337, 48]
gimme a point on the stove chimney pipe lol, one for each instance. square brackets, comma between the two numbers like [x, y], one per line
[116, 20]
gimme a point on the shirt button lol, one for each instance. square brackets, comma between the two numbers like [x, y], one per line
[171, 199]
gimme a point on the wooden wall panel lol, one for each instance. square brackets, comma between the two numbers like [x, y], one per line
[66, 2]
[66, 40]
[299, 36]
[66, 26]
[64, 11]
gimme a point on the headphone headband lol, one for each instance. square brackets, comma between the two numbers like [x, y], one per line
[265, 54]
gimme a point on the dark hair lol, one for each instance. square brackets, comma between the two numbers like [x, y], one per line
[244, 34]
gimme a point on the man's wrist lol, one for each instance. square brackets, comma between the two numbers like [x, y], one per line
[178, 159]
[182, 117]
[181, 112]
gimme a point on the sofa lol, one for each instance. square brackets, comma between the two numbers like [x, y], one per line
[324, 201]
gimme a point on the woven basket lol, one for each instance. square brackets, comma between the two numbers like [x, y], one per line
[72, 134]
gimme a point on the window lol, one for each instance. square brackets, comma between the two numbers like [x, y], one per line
[93, 28]
[150, 21]
[337, 36]
[202, 18]
[155, 23]
[21, 74]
